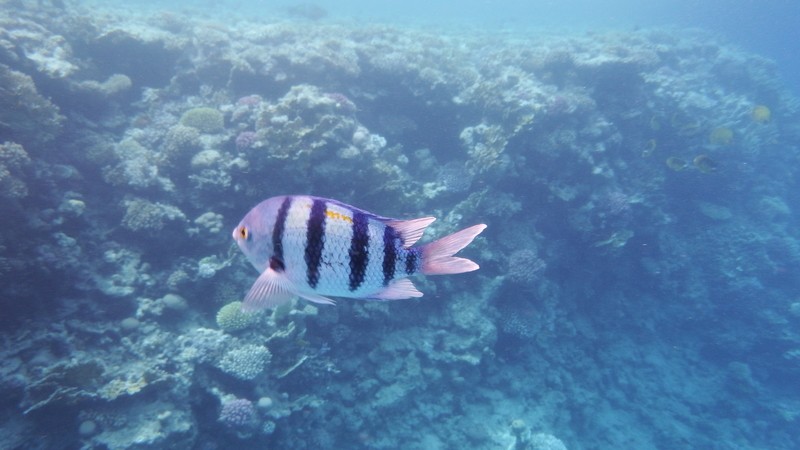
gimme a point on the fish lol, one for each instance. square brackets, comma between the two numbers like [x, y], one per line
[705, 163]
[317, 248]
[676, 164]
[760, 114]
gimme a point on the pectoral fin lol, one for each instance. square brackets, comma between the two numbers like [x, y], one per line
[271, 289]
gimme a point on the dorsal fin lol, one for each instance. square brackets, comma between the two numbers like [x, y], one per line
[410, 230]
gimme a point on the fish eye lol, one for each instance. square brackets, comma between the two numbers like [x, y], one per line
[243, 233]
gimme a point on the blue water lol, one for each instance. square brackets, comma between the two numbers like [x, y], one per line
[765, 28]
[636, 165]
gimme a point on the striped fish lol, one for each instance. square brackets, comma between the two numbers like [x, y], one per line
[317, 248]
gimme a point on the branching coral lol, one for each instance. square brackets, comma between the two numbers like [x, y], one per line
[112, 86]
[486, 145]
[143, 215]
[28, 43]
[210, 222]
[180, 140]
[25, 115]
[13, 159]
[137, 166]
[246, 362]
[525, 267]
[302, 122]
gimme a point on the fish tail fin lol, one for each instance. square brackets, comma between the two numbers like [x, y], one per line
[437, 256]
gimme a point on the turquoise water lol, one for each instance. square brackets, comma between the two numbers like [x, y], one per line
[765, 28]
[636, 165]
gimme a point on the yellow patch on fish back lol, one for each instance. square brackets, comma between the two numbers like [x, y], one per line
[336, 215]
[333, 214]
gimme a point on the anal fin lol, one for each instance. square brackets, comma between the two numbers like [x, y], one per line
[399, 289]
[316, 298]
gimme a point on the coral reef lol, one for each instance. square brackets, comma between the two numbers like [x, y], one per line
[143, 215]
[238, 413]
[231, 317]
[621, 303]
[205, 120]
[246, 362]
[26, 116]
[525, 266]
[13, 161]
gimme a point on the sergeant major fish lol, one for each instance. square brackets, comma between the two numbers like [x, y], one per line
[318, 248]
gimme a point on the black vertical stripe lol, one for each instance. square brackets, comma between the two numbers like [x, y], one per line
[390, 239]
[359, 250]
[276, 262]
[411, 261]
[315, 240]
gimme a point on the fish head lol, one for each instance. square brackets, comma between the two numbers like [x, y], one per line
[254, 233]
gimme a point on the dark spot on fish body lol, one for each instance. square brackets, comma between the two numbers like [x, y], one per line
[276, 264]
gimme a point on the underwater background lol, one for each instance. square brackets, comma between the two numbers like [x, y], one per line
[637, 166]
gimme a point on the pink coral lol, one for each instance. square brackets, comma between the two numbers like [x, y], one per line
[238, 413]
[245, 139]
[249, 100]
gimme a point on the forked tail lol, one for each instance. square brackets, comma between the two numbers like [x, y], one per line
[437, 256]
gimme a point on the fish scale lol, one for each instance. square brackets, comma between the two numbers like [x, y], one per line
[336, 263]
